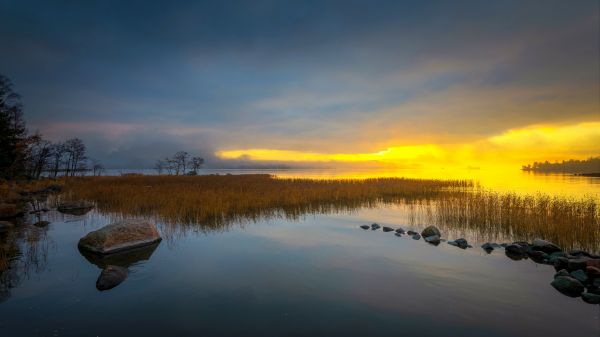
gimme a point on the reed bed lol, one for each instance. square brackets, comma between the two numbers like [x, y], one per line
[214, 202]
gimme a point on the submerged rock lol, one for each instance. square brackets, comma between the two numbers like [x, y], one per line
[398, 234]
[558, 254]
[375, 226]
[75, 207]
[411, 233]
[365, 227]
[559, 262]
[120, 236]
[400, 230]
[416, 237]
[387, 229]
[515, 249]
[489, 247]
[590, 298]
[545, 246]
[568, 286]
[433, 239]
[111, 277]
[431, 231]
[41, 223]
[538, 256]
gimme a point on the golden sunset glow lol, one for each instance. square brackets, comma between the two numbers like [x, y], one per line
[513, 147]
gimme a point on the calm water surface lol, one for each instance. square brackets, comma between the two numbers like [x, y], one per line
[318, 275]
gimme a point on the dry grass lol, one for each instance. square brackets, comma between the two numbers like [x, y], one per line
[214, 202]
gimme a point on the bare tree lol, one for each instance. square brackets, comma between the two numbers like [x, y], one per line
[57, 152]
[196, 163]
[180, 159]
[76, 159]
[97, 168]
[159, 166]
[36, 156]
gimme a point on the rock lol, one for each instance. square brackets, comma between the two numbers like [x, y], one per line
[365, 227]
[592, 271]
[387, 229]
[579, 263]
[580, 253]
[559, 262]
[431, 231]
[41, 223]
[593, 263]
[462, 243]
[488, 247]
[416, 237]
[562, 272]
[120, 236]
[515, 249]
[9, 211]
[580, 276]
[433, 239]
[123, 259]
[411, 233]
[75, 208]
[538, 256]
[400, 230]
[111, 277]
[545, 246]
[558, 254]
[375, 226]
[568, 286]
[590, 298]
[398, 234]
[5, 225]
[503, 245]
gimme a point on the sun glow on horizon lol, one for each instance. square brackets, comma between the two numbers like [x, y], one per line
[512, 147]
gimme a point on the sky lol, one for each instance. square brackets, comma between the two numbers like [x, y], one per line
[310, 83]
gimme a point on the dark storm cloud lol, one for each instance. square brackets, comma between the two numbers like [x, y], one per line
[290, 74]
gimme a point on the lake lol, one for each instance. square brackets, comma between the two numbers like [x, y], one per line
[317, 274]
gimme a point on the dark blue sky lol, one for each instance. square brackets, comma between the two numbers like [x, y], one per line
[141, 79]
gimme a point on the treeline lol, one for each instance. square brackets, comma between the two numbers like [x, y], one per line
[590, 165]
[25, 156]
[180, 163]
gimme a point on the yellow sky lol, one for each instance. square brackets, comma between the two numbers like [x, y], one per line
[511, 148]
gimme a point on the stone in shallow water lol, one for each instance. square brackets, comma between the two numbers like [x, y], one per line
[400, 230]
[375, 226]
[416, 237]
[411, 233]
[75, 207]
[461, 243]
[538, 256]
[559, 262]
[431, 231]
[558, 254]
[398, 234]
[41, 223]
[365, 227]
[576, 264]
[580, 276]
[562, 272]
[590, 298]
[545, 246]
[387, 229]
[592, 271]
[111, 277]
[515, 249]
[488, 247]
[124, 235]
[568, 286]
[433, 239]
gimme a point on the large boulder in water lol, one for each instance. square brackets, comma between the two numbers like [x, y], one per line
[111, 277]
[120, 236]
[545, 246]
[431, 231]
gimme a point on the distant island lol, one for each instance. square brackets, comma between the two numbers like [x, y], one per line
[587, 167]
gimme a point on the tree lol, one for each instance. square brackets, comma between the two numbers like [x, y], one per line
[97, 168]
[159, 166]
[196, 163]
[38, 152]
[57, 153]
[12, 131]
[180, 159]
[76, 159]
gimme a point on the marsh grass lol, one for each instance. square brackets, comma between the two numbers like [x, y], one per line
[214, 202]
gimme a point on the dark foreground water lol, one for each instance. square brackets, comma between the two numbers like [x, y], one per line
[318, 275]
